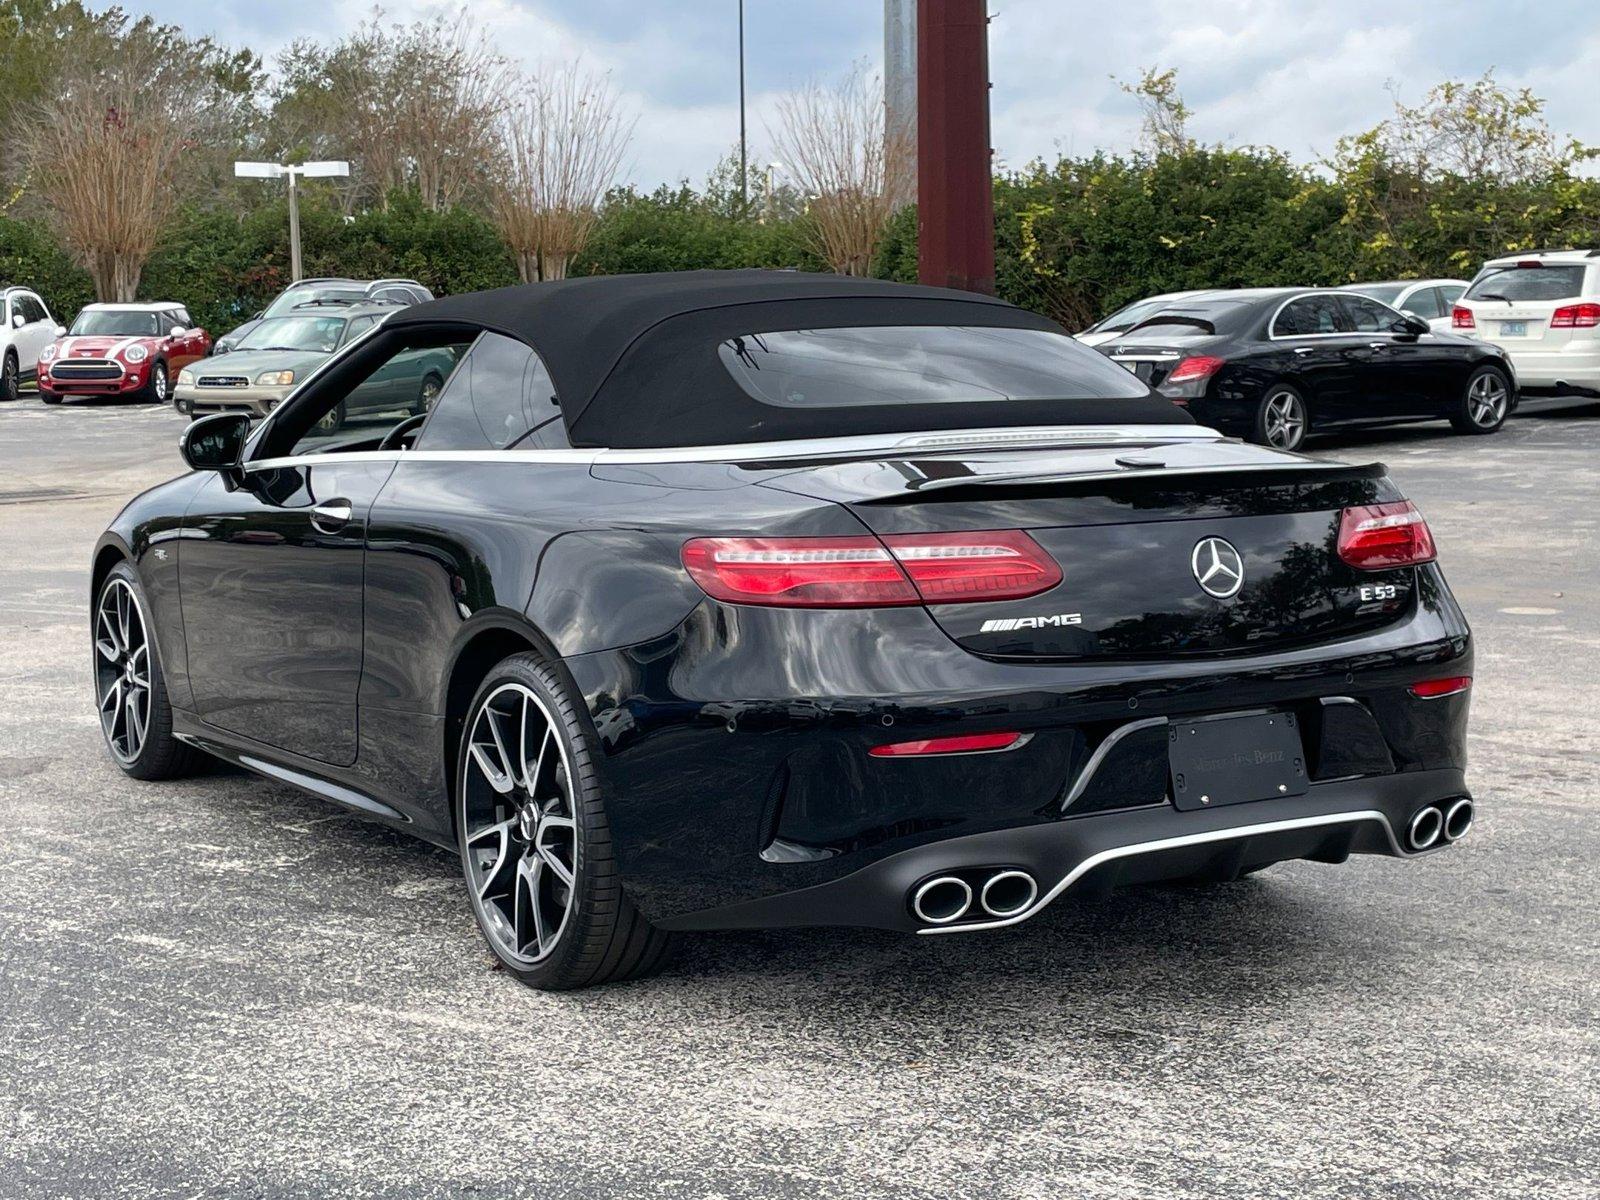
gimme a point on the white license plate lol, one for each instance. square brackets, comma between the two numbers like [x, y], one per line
[1513, 329]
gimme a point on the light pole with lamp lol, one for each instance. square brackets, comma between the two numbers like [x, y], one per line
[294, 172]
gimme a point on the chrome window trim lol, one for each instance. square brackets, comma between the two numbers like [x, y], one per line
[1306, 337]
[1134, 849]
[1080, 785]
[1027, 437]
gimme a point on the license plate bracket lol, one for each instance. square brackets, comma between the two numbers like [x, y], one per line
[1513, 329]
[1235, 760]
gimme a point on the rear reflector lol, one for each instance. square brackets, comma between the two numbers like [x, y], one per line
[1376, 537]
[1461, 318]
[864, 572]
[1575, 316]
[972, 743]
[1433, 689]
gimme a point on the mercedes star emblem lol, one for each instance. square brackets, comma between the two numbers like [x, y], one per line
[1217, 567]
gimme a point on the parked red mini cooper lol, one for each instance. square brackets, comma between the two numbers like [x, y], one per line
[121, 350]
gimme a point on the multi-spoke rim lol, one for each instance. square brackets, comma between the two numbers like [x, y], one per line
[122, 670]
[158, 381]
[431, 387]
[1285, 420]
[521, 838]
[1487, 398]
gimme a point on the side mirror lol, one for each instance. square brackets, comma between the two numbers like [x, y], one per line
[61, 331]
[177, 331]
[215, 443]
[18, 320]
[1412, 324]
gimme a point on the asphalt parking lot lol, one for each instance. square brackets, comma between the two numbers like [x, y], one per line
[221, 987]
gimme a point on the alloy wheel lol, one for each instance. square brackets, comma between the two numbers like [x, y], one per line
[429, 393]
[521, 839]
[1487, 398]
[158, 383]
[8, 379]
[1285, 420]
[122, 670]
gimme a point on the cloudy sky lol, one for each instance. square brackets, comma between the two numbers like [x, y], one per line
[1291, 74]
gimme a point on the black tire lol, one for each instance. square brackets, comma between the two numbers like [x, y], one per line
[1268, 428]
[159, 389]
[158, 754]
[602, 937]
[1484, 404]
[332, 421]
[10, 378]
[51, 397]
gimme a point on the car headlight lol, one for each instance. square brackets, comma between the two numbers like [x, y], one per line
[185, 378]
[136, 354]
[48, 353]
[275, 379]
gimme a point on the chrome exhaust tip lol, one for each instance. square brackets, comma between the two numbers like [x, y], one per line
[941, 900]
[1458, 820]
[1007, 893]
[1425, 828]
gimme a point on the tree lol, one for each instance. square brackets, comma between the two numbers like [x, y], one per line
[122, 131]
[563, 145]
[1164, 129]
[854, 170]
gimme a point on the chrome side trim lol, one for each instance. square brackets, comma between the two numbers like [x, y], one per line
[348, 797]
[1176, 843]
[1300, 337]
[1086, 776]
[1022, 437]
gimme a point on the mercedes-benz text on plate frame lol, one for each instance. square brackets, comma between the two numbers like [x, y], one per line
[674, 603]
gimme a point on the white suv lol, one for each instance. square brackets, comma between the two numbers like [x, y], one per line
[1543, 308]
[26, 327]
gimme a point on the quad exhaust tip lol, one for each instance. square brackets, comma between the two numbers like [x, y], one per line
[1458, 820]
[941, 900]
[1425, 828]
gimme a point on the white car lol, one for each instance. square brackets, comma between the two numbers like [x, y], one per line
[26, 328]
[1431, 299]
[1543, 308]
[1129, 315]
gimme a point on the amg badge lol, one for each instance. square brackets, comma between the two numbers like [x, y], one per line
[1007, 624]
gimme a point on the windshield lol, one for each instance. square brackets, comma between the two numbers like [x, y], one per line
[305, 295]
[920, 364]
[1541, 281]
[115, 324]
[318, 335]
[1388, 293]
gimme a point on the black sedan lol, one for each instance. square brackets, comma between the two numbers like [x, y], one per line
[749, 599]
[1275, 364]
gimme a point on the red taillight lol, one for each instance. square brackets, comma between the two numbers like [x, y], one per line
[1461, 318]
[1433, 689]
[1198, 366]
[1375, 537]
[1575, 316]
[972, 743]
[863, 572]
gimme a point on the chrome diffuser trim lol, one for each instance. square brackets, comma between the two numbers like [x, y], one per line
[1134, 849]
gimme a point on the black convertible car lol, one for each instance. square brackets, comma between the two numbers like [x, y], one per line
[1274, 364]
[749, 599]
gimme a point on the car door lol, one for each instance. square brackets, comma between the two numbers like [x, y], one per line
[271, 570]
[1312, 334]
[1406, 369]
[37, 332]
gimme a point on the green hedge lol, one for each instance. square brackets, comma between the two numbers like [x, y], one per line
[1073, 239]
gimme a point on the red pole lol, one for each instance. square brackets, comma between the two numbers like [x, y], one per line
[955, 194]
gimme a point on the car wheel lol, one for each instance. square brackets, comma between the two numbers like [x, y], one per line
[9, 378]
[130, 691]
[333, 420]
[535, 844]
[51, 397]
[1485, 402]
[1281, 419]
[432, 385]
[157, 391]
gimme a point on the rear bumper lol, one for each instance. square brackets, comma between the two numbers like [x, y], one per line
[1572, 372]
[1089, 856]
[734, 755]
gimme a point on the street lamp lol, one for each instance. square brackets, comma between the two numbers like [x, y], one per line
[294, 172]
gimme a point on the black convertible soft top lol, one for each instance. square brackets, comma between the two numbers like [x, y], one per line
[635, 364]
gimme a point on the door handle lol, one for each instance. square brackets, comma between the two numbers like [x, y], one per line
[1378, 346]
[1305, 349]
[332, 516]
